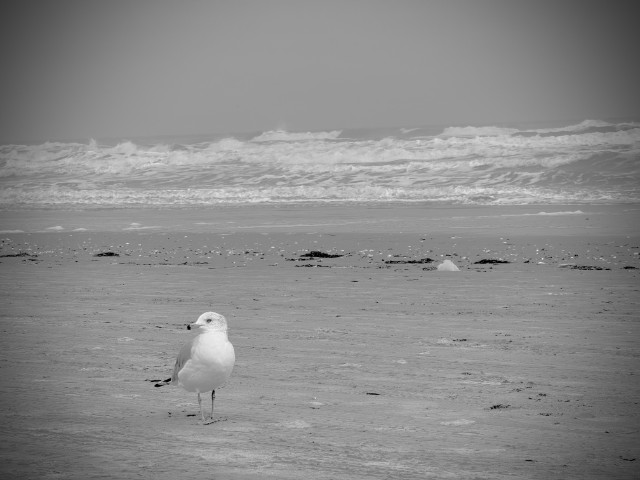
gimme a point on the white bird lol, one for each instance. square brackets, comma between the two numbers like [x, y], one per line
[206, 362]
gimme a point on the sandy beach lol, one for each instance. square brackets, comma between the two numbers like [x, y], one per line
[356, 358]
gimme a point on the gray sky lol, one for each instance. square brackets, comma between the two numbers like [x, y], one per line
[99, 68]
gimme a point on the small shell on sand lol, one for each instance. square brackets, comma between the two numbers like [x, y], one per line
[448, 266]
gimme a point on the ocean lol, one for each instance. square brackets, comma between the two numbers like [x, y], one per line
[590, 162]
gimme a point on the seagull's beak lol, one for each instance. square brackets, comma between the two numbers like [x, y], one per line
[192, 325]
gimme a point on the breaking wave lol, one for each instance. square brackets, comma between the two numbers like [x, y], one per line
[589, 162]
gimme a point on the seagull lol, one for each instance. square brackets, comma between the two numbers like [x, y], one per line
[206, 362]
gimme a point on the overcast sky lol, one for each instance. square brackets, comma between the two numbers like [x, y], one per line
[108, 68]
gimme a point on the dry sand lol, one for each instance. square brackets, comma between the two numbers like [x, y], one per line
[367, 365]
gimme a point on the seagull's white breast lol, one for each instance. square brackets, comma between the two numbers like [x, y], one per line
[210, 362]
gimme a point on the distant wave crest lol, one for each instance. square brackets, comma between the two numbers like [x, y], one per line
[477, 131]
[284, 136]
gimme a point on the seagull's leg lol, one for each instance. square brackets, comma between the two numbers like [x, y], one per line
[213, 397]
[200, 404]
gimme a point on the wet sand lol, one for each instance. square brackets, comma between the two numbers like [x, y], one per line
[366, 364]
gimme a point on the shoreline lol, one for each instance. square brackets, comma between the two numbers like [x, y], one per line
[597, 218]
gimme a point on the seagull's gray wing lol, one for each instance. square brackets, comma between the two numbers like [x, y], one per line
[183, 357]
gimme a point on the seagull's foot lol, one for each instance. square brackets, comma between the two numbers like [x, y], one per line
[209, 421]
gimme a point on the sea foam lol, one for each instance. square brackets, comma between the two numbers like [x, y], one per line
[588, 162]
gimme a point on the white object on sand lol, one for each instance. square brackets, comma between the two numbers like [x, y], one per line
[448, 266]
[206, 362]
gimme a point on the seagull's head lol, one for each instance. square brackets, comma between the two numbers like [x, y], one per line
[211, 322]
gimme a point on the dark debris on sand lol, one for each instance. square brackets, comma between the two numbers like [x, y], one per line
[574, 266]
[588, 267]
[422, 260]
[318, 254]
[490, 261]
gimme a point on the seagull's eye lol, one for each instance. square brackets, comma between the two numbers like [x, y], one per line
[208, 320]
